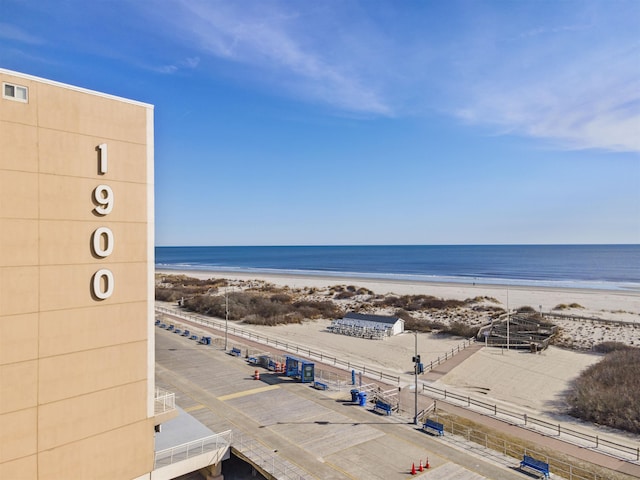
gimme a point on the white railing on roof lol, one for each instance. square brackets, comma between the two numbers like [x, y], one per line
[218, 443]
[164, 401]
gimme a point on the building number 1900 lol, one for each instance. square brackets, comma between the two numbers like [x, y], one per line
[102, 240]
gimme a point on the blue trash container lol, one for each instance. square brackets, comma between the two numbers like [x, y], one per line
[362, 396]
[354, 395]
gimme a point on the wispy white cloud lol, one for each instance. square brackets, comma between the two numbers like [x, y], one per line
[589, 103]
[11, 32]
[191, 62]
[568, 75]
[275, 44]
[576, 85]
[188, 63]
[546, 30]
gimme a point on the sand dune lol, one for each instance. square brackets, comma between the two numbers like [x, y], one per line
[609, 306]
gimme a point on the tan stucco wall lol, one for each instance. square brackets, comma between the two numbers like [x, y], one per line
[76, 372]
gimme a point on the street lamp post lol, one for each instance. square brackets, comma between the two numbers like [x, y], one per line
[416, 364]
[508, 318]
[226, 318]
[416, 361]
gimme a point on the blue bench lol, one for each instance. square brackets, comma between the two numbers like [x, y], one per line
[177, 330]
[194, 337]
[432, 425]
[205, 340]
[171, 327]
[185, 333]
[383, 406]
[538, 465]
[157, 322]
[320, 386]
[236, 351]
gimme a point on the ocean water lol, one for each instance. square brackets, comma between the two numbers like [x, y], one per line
[609, 267]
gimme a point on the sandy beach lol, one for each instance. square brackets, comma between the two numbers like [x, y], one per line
[611, 304]
[491, 372]
[621, 307]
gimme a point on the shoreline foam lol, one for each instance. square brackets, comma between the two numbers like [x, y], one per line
[630, 287]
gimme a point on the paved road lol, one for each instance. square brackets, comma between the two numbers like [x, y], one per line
[321, 434]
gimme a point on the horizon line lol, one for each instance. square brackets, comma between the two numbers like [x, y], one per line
[408, 245]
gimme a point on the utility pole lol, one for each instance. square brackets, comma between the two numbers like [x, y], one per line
[508, 318]
[416, 361]
[226, 318]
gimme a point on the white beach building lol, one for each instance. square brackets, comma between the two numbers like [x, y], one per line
[367, 326]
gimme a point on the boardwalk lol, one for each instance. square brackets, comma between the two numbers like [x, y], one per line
[311, 434]
[407, 399]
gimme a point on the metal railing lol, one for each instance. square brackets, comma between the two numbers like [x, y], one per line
[290, 347]
[624, 452]
[448, 355]
[300, 350]
[333, 379]
[164, 401]
[267, 460]
[580, 318]
[218, 443]
[509, 448]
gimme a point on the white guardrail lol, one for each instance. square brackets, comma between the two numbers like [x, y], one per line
[219, 442]
[268, 460]
[164, 401]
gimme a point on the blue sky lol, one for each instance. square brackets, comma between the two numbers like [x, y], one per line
[371, 122]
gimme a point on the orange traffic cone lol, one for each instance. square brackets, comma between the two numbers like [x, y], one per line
[413, 469]
[420, 469]
[427, 464]
[256, 375]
